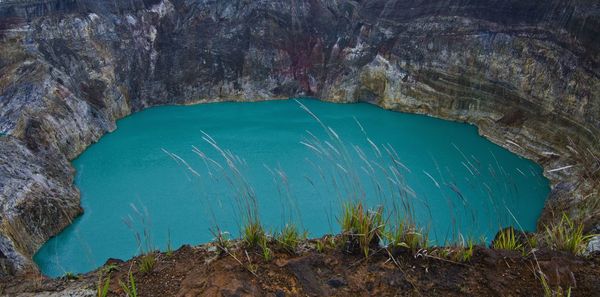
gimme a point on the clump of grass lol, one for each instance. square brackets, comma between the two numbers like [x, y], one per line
[144, 238]
[325, 243]
[71, 276]
[289, 238]
[532, 241]
[169, 245]
[464, 252]
[103, 285]
[507, 240]
[347, 219]
[110, 268]
[129, 288]
[468, 252]
[332, 241]
[319, 246]
[267, 253]
[566, 236]
[405, 235]
[221, 239]
[147, 263]
[251, 267]
[550, 292]
[253, 233]
[443, 253]
[458, 252]
[362, 226]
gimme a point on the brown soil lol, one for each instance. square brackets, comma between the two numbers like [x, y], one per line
[202, 271]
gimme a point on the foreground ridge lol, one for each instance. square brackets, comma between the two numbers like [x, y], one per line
[322, 268]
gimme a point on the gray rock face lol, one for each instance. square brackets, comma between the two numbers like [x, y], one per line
[594, 245]
[526, 72]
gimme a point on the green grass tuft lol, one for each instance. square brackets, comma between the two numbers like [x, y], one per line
[110, 268]
[71, 276]
[363, 226]
[319, 246]
[465, 251]
[566, 236]
[549, 292]
[253, 233]
[129, 288]
[507, 240]
[267, 253]
[221, 239]
[103, 285]
[405, 235]
[169, 252]
[289, 238]
[147, 263]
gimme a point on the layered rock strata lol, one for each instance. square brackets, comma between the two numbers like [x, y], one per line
[527, 73]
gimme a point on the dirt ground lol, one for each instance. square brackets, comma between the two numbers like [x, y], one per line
[203, 271]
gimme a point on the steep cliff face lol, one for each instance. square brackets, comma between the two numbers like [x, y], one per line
[526, 72]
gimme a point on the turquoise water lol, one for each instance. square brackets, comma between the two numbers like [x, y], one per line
[135, 176]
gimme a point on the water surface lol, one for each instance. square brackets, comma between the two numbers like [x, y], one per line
[456, 179]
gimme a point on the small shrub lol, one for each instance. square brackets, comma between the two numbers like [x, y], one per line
[566, 236]
[147, 263]
[507, 240]
[129, 288]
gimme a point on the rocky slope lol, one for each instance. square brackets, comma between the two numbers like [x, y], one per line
[526, 72]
